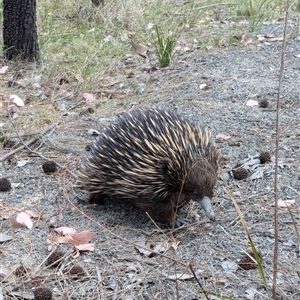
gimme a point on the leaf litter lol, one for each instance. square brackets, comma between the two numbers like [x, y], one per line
[121, 269]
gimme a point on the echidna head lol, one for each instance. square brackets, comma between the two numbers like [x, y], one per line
[200, 183]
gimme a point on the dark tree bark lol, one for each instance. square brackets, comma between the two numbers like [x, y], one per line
[19, 30]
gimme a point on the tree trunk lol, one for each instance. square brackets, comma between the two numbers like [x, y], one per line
[19, 30]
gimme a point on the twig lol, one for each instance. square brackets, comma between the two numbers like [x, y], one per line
[26, 145]
[65, 257]
[36, 152]
[176, 286]
[255, 252]
[155, 224]
[6, 156]
[200, 285]
[275, 258]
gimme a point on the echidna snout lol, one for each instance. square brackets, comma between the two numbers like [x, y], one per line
[207, 207]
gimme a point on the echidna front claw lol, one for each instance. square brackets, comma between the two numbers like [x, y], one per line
[206, 205]
[178, 223]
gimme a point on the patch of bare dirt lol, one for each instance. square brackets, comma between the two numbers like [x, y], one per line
[211, 89]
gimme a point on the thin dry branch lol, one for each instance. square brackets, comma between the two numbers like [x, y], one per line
[200, 285]
[275, 258]
[26, 145]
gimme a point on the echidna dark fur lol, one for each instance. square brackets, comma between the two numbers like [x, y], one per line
[155, 158]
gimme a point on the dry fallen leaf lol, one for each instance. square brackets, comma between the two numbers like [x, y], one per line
[251, 103]
[85, 247]
[83, 237]
[3, 69]
[16, 100]
[22, 83]
[285, 203]
[79, 240]
[246, 40]
[4, 237]
[22, 162]
[65, 230]
[88, 97]
[204, 86]
[140, 49]
[223, 136]
[24, 219]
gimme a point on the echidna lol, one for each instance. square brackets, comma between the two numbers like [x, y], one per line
[155, 158]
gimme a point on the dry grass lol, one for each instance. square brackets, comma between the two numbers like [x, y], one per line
[85, 44]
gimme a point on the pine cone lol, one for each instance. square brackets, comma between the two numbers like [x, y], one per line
[264, 103]
[76, 270]
[240, 173]
[42, 293]
[55, 258]
[5, 185]
[247, 262]
[264, 157]
[49, 167]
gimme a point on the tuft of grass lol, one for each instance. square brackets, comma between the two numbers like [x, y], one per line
[164, 48]
[258, 11]
[232, 40]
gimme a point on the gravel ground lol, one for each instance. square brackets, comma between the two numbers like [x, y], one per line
[212, 89]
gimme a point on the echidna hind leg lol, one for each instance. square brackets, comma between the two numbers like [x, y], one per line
[96, 198]
[161, 211]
